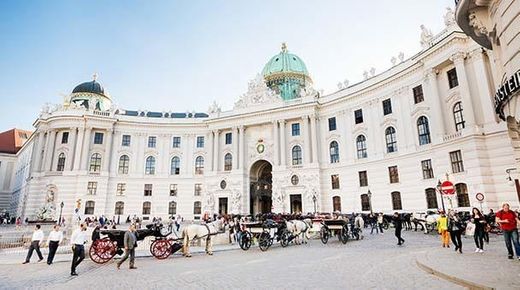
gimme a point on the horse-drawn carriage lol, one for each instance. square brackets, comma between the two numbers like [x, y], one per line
[266, 233]
[104, 249]
[332, 227]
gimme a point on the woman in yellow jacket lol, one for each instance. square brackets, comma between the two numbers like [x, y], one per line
[442, 226]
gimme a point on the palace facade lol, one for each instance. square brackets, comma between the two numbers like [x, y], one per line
[382, 144]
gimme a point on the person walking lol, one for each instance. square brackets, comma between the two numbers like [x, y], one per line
[442, 226]
[78, 240]
[508, 221]
[480, 225]
[380, 222]
[398, 224]
[455, 229]
[37, 237]
[373, 224]
[130, 241]
[54, 240]
[359, 223]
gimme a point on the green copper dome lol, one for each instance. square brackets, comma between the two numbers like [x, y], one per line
[286, 74]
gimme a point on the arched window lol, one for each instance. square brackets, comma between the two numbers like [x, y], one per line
[61, 162]
[459, 118]
[296, 155]
[172, 208]
[95, 162]
[336, 203]
[391, 140]
[361, 145]
[228, 162]
[199, 165]
[147, 207]
[334, 152]
[396, 200]
[89, 207]
[120, 208]
[175, 167]
[462, 194]
[124, 162]
[365, 202]
[431, 198]
[197, 207]
[424, 130]
[149, 168]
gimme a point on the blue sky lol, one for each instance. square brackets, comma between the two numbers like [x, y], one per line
[183, 55]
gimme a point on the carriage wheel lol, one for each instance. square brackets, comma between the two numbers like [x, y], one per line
[343, 234]
[102, 250]
[356, 235]
[245, 241]
[264, 241]
[324, 234]
[284, 238]
[161, 249]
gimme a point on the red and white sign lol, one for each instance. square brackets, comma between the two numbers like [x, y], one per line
[447, 187]
[479, 196]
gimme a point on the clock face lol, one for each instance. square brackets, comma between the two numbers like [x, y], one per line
[260, 148]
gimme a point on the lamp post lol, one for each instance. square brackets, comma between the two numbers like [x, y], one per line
[314, 201]
[439, 184]
[510, 180]
[61, 210]
[369, 193]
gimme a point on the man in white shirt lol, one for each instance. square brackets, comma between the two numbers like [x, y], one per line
[37, 237]
[78, 241]
[54, 239]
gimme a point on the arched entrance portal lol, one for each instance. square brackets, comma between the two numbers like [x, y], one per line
[260, 189]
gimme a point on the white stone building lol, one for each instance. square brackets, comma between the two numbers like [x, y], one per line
[284, 147]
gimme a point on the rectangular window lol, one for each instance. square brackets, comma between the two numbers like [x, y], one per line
[65, 138]
[198, 189]
[456, 161]
[200, 141]
[335, 181]
[173, 189]
[387, 107]
[126, 140]
[363, 178]
[393, 173]
[91, 187]
[332, 124]
[121, 187]
[98, 138]
[427, 169]
[295, 129]
[229, 138]
[152, 142]
[418, 95]
[176, 143]
[358, 116]
[453, 81]
[148, 189]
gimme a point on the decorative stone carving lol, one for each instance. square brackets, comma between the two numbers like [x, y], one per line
[214, 108]
[345, 83]
[449, 17]
[477, 25]
[236, 202]
[393, 60]
[401, 56]
[365, 75]
[372, 71]
[257, 93]
[48, 211]
[426, 37]
[210, 201]
[340, 85]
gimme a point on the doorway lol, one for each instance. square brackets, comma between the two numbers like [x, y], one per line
[260, 188]
[222, 205]
[296, 203]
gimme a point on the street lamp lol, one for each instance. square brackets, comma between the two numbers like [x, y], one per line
[369, 193]
[314, 201]
[61, 210]
[439, 184]
[510, 180]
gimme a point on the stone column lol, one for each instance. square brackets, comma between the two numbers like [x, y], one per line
[283, 149]
[306, 140]
[50, 151]
[375, 145]
[484, 90]
[72, 147]
[210, 150]
[215, 150]
[235, 148]
[436, 104]
[139, 158]
[276, 144]
[241, 157]
[86, 148]
[78, 148]
[467, 105]
[164, 154]
[108, 150]
[314, 139]
[116, 144]
[39, 148]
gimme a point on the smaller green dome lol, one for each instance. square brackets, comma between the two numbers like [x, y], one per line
[284, 63]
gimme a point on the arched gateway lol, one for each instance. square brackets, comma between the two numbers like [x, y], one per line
[260, 188]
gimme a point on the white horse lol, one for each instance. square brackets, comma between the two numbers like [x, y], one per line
[427, 221]
[299, 228]
[196, 231]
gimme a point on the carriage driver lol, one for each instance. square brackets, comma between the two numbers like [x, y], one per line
[130, 241]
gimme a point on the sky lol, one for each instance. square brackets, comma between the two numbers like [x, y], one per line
[183, 55]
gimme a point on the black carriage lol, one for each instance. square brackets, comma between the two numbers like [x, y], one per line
[266, 233]
[332, 227]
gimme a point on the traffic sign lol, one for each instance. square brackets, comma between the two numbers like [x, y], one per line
[447, 187]
[479, 196]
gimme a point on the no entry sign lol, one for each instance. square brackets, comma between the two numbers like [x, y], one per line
[447, 187]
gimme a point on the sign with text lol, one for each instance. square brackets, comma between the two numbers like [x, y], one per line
[504, 94]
